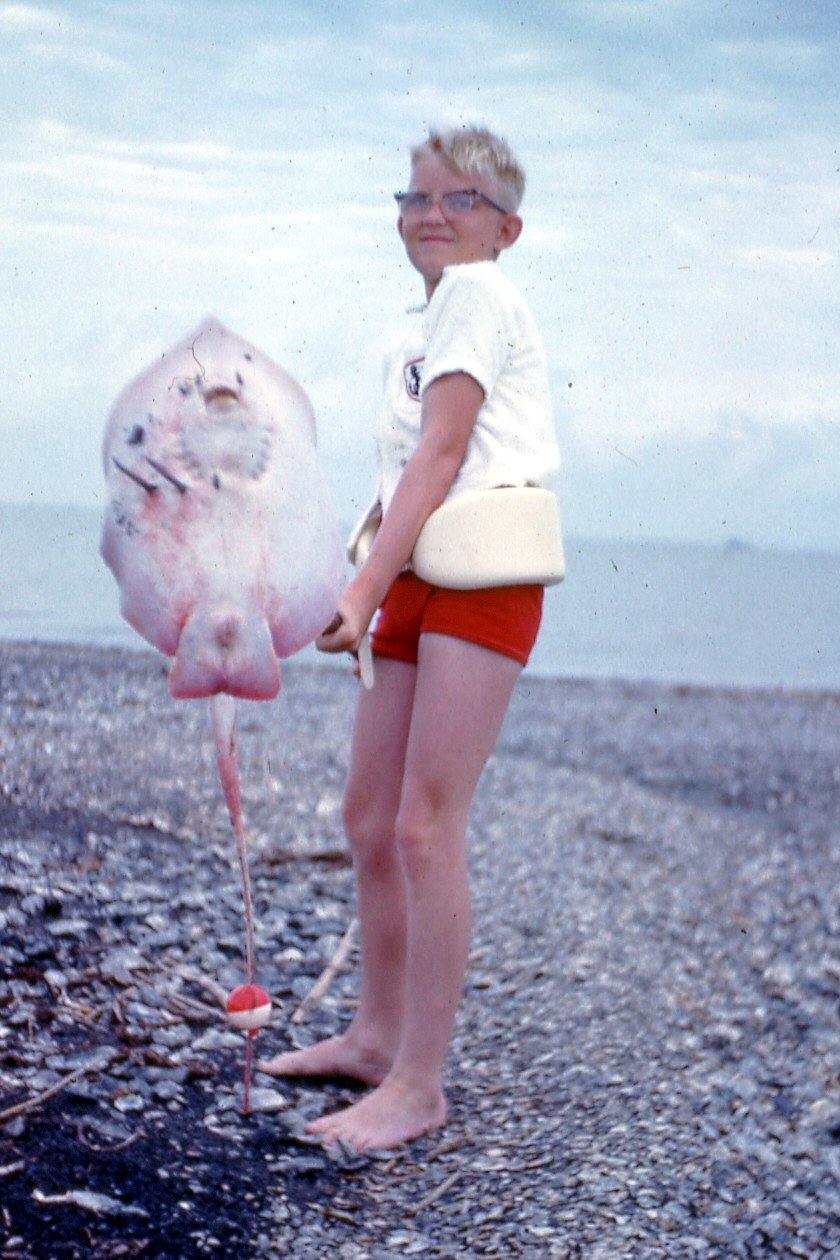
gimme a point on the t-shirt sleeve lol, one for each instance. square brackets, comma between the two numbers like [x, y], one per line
[466, 329]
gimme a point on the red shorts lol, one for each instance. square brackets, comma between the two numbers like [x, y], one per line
[504, 619]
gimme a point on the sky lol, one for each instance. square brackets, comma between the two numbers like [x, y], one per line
[163, 161]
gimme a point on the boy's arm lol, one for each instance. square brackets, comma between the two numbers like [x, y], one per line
[449, 410]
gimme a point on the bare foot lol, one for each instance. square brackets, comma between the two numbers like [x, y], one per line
[338, 1056]
[390, 1115]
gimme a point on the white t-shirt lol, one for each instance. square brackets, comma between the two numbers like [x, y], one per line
[478, 323]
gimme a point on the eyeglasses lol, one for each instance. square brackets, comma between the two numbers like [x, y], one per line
[414, 203]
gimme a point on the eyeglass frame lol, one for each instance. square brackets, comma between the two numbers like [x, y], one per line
[399, 197]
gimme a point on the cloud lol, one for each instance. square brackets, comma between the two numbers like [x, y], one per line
[30, 18]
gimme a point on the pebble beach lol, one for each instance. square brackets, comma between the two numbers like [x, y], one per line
[647, 1059]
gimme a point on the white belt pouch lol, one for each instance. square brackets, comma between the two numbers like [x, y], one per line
[509, 536]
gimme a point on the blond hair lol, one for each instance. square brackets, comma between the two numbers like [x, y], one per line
[477, 151]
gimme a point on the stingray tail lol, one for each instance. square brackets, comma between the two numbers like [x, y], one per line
[223, 708]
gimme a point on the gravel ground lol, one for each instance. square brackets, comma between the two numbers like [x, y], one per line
[646, 1062]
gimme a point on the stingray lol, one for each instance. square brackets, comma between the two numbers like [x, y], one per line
[221, 533]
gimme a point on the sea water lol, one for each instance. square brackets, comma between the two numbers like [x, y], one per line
[718, 615]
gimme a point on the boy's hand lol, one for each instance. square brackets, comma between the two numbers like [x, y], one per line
[347, 628]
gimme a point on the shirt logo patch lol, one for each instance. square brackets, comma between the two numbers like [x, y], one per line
[411, 373]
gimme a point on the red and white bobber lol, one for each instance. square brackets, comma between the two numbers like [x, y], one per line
[249, 1007]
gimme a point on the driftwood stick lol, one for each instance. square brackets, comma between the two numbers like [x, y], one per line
[204, 982]
[191, 1009]
[447, 1147]
[437, 1193]
[327, 976]
[329, 857]
[31, 1104]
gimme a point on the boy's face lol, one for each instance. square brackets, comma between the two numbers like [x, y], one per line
[436, 238]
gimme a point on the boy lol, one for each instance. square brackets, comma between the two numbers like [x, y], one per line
[467, 407]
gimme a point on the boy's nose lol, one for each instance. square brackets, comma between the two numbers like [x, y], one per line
[435, 212]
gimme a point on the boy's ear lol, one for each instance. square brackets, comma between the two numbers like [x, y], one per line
[509, 231]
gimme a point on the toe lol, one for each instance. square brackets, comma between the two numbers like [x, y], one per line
[273, 1067]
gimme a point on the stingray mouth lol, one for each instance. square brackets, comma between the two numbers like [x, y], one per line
[220, 397]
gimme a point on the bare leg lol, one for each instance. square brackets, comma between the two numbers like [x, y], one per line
[461, 697]
[367, 1049]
